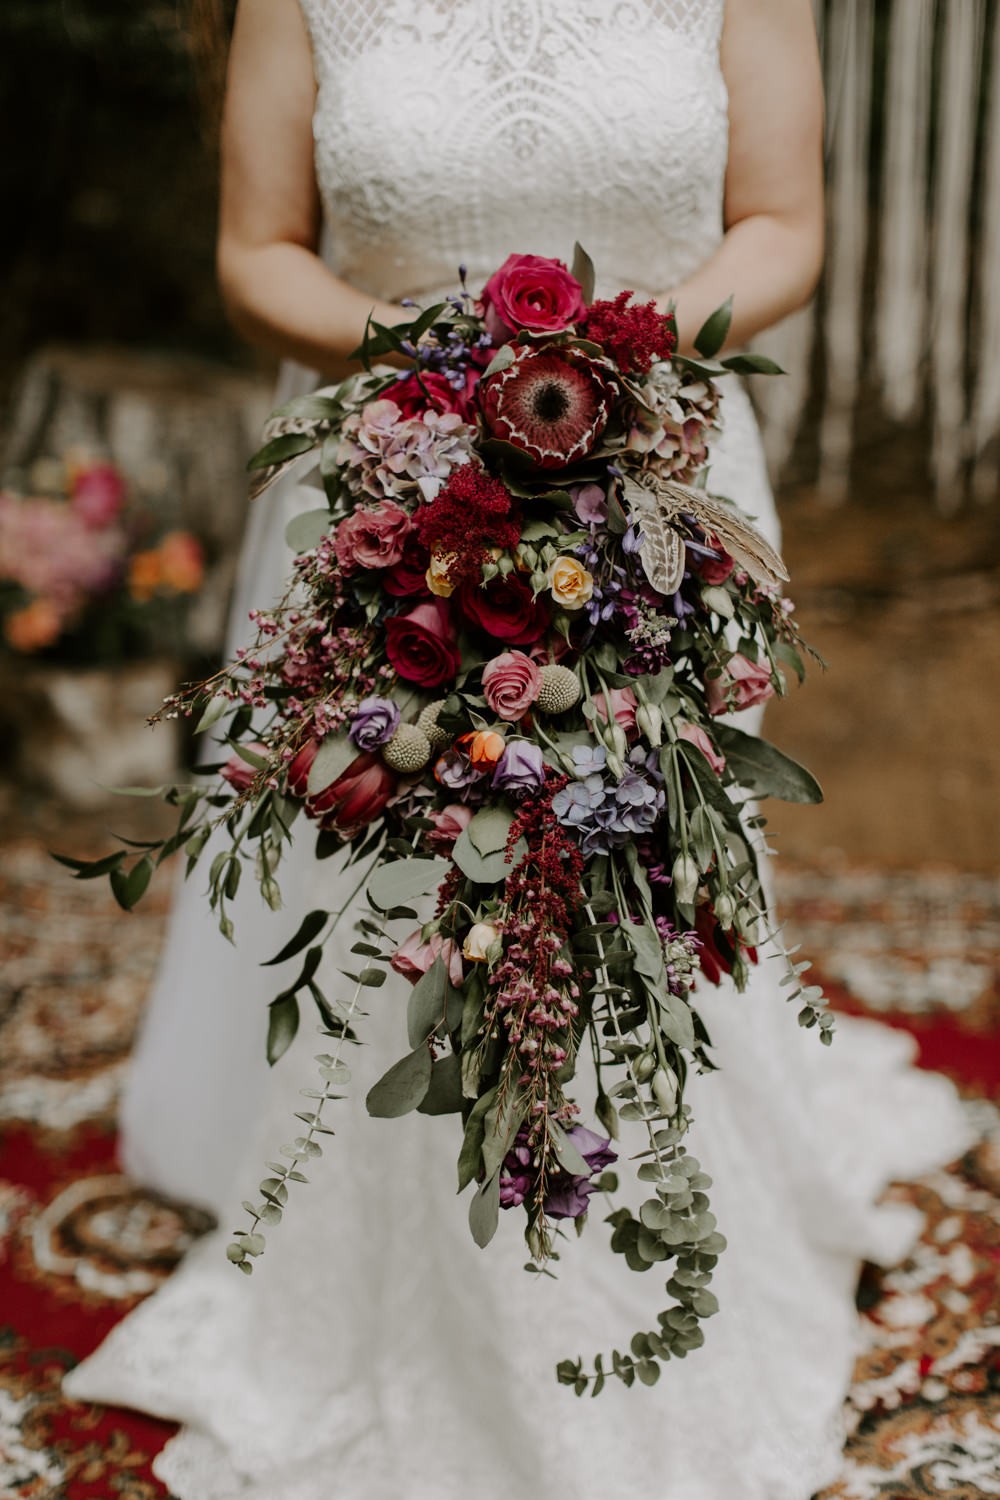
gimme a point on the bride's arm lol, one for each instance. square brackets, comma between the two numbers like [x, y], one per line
[277, 291]
[772, 252]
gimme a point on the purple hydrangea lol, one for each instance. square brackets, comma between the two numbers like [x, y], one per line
[609, 814]
[375, 723]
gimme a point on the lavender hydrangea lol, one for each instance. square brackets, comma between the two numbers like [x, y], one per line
[386, 456]
[608, 814]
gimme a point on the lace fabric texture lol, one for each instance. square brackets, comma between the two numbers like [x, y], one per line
[376, 1353]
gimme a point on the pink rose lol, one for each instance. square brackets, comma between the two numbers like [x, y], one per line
[421, 645]
[413, 958]
[742, 684]
[623, 705]
[533, 292]
[511, 683]
[696, 736]
[448, 822]
[98, 495]
[238, 772]
[372, 538]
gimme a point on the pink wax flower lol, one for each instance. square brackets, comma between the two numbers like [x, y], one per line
[742, 684]
[511, 683]
[695, 735]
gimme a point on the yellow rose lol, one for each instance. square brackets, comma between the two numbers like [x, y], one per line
[479, 940]
[437, 575]
[571, 584]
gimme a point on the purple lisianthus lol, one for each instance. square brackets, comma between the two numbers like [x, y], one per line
[520, 767]
[374, 724]
[568, 1196]
[456, 772]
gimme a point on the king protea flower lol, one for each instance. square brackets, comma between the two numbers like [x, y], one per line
[551, 403]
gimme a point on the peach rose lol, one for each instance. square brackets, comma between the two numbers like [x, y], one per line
[572, 586]
[742, 684]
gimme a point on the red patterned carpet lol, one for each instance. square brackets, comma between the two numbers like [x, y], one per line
[79, 1245]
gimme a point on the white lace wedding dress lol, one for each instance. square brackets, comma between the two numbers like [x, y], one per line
[376, 1353]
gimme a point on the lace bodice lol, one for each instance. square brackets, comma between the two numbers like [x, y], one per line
[451, 130]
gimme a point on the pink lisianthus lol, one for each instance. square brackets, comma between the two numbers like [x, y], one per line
[623, 706]
[372, 537]
[448, 822]
[511, 683]
[98, 494]
[742, 684]
[532, 292]
[696, 736]
[413, 958]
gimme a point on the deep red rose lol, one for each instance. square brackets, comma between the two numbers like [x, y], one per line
[714, 569]
[552, 403]
[421, 644]
[432, 392]
[533, 292]
[357, 797]
[409, 575]
[505, 609]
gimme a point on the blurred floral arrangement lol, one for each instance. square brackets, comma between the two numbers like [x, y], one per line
[86, 576]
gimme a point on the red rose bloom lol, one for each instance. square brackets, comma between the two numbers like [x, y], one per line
[505, 609]
[357, 797]
[409, 575]
[432, 392]
[551, 403]
[533, 292]
[714, 569]
[421, 644]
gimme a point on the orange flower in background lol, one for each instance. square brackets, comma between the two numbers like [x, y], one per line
[483, 748]
[37, 625]
[182, 562]
[145, 575]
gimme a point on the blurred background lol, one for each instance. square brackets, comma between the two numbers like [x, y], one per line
[122, 388]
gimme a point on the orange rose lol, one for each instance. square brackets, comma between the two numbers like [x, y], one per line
[182, 562]
[34, 627]
[145, 574]
[484, 748]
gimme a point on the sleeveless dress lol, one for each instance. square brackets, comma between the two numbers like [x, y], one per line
[376, 1353]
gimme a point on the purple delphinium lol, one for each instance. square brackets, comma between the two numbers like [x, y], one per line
[520, 767]
[374, 723]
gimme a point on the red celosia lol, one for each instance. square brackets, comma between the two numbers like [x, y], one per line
[633, 336]
[472, 513]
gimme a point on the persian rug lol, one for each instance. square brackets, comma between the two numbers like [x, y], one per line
[80, 1244]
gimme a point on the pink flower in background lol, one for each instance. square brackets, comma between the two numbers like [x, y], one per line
[533, 292]
[413, 958]
[97, 494]
[695, 735]
[742, 684]
[511, 683]
[49, 550]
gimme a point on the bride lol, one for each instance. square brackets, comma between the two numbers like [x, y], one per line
[377, 1354]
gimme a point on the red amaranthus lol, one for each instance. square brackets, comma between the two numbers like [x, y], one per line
[634, 336]
[472, 513]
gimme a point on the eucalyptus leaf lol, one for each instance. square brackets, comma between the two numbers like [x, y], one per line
[332, 758]
[489, 829]
[470, 1156]
[280, 449]
[444, 1096]
[752, 364]
[426, 1006]
[583, 270]
[489, 871]
[764, 770]
[282, 1024]
[484, 1212]
[403, 1088]
[305, 532]
[399, 881]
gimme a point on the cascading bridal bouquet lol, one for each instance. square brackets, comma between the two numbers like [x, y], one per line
[501, 672]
